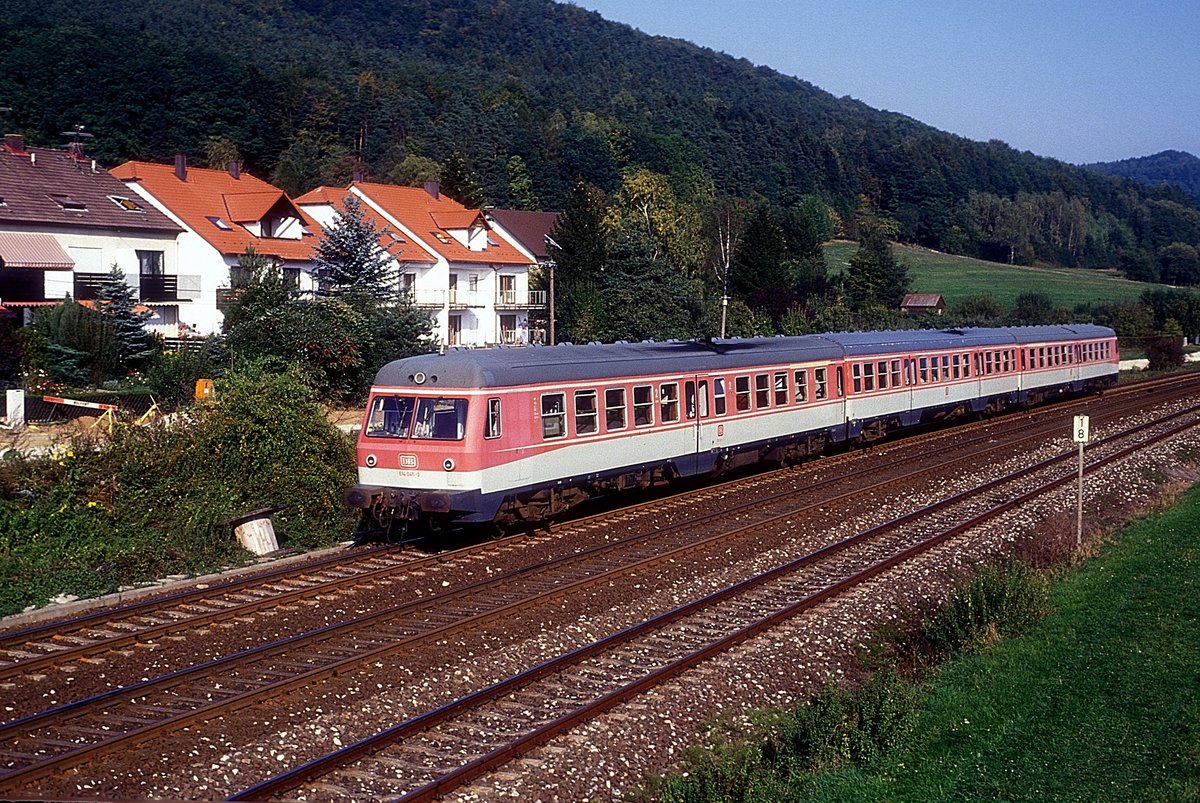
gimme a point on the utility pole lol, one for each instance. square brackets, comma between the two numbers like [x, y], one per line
[551, 264]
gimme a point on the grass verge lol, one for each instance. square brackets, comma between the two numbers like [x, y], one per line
[1100, 700]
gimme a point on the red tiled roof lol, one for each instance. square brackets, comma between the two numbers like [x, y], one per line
[37, 251]
[48, 187]
[393, 242]
[215, 194]
[423, 214]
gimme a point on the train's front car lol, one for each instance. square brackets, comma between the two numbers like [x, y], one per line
[420, 450]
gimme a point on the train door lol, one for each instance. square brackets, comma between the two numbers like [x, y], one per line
[697, 405]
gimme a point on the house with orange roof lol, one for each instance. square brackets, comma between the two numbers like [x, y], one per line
[474, 283]
[223, 214]
[66, 222]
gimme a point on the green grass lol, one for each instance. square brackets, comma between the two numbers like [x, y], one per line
[956, 277]
[1100, 701]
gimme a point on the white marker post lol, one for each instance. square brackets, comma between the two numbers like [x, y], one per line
[1080, 433]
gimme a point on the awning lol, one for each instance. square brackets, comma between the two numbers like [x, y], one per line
[32, 251]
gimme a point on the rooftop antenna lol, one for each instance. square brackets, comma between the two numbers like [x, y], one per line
[75, 147]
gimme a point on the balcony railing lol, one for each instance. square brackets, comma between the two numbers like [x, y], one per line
[159, 288]
[512, 299]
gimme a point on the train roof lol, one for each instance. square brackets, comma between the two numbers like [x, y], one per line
[527, 365]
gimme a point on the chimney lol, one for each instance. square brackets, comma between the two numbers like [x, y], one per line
[33, 159]
[181, 166]
[434, 188]
[14, 142]
[235, 169]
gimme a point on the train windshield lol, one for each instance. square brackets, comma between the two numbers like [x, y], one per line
[422, 419]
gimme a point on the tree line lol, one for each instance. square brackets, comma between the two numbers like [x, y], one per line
[513, 103]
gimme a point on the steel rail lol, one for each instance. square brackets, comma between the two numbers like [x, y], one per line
[333, 761]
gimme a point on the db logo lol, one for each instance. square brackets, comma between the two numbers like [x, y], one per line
[720, 430]
[408, 461]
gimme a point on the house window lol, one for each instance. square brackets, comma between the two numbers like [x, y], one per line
[125, 203]
[508, 329]
[455, 330]
[291, 278]
[150, 263]
[508, 289]
[408, 284]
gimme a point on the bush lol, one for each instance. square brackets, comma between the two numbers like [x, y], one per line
[147, 501]
[172, 377]
[1164, 351]
[998, 601]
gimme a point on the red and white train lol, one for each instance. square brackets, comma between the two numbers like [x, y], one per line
[521, 434]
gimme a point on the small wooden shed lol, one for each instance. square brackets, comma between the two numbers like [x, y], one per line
[923, 304]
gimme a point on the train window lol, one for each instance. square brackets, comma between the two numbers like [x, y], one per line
[614, 409]
[935, 373]
[390, 416]
[910, 371]
[689, 398]
[966, 365]
[882, 373]
[440, 419]
[741, 393]
[492, 425]
[1010, 359]
[554, 415]
[896, 377]
[703, 398]
[956, 367]
[668, 400]
[821, 381]
[868, 371]
[587, 417]
[987, 362]
[945, 366]
[762, 390]
[924, 362]
[801, 386]
[643, 405]
[781, 388]
[841, 383]
[856, 377]
[719, 395]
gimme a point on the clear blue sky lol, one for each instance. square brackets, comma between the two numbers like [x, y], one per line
[1074, 80]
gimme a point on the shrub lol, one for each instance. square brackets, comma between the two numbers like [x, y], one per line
[147, 501]
[998, 601]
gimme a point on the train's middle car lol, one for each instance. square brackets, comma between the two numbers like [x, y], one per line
[513, 434]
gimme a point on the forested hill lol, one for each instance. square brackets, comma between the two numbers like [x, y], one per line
[1175, 168]
[310, 91]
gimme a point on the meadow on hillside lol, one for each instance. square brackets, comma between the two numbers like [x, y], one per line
[956, 277]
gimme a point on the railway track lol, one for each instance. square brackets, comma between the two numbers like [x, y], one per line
[37, 746]
[500, 722]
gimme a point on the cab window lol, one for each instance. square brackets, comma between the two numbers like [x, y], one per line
[390, 416]
[440, 419]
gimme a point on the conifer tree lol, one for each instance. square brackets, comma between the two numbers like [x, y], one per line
[116, 303]
[348, 258]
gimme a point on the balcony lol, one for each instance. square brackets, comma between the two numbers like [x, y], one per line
[466, 299]
[159, 288]
[512, 299]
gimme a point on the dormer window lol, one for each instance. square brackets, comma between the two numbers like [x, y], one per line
[441, 238]
[68, 203]
[127, 204]
[220, 224]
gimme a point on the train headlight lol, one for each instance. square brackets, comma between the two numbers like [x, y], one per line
[419, 377]
[370, 461]
[448, 464]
